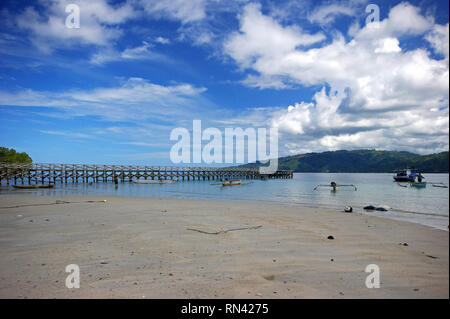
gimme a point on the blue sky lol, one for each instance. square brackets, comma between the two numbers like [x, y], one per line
[111, 91]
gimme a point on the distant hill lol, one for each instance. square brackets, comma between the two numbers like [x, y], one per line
[11, 156]
[362, 161]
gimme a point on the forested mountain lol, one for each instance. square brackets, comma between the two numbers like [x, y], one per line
[363, 161]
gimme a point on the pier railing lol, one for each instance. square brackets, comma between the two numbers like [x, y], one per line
[75, 173]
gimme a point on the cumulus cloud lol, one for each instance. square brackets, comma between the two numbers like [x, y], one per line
[374, 93]
[403, 19]
[262, 37]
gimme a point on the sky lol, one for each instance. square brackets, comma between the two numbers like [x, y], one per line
[328, 75]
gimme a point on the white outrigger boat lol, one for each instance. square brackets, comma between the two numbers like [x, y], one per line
[334, 186]
[419, 183]
[154, 181]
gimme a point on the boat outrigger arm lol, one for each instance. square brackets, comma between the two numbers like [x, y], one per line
[334, 186]
[423, 184]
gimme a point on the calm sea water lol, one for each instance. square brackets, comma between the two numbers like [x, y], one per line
[428, 206]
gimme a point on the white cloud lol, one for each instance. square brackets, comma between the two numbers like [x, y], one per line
[137, 90]
[144, 144]
[320, 125]
[66, 134]
[403, 19]
[439, 39]
[142, 52]
[326, 14]
[162, 40]
[260, 36]
[265, 82]
[377, 95]
[102, 21]
[135, 100]
[98, 23]
[184, 11]
[388, 45]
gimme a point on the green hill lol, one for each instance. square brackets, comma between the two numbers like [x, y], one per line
[11, 156]
[362, 161]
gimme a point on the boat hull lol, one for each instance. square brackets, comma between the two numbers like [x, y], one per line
[151, 181]
[419, 185]
[231, 183]
[32, 186]
[403, 179]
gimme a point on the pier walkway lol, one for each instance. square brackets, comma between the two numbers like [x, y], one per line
[76, 173]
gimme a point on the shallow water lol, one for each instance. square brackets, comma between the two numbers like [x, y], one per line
[428, 206]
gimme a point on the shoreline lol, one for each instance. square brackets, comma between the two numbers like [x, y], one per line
[311, 205]
[150, 249]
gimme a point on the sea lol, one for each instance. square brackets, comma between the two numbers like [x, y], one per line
[427, 206]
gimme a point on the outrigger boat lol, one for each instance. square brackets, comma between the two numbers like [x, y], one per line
[33, 186]
[413, 183]
[231, 182]
[153, 181]
[334, 186]
[424, 184]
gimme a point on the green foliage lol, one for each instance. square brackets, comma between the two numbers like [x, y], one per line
[363, 161]
[11, 156]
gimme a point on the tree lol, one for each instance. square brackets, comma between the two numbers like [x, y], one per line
[11, 156]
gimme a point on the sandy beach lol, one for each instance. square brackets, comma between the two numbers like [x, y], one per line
[166, 248]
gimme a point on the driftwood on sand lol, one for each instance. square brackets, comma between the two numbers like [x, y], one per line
[223, 231]
[57, 202]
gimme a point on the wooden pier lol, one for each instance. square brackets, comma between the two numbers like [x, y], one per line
[76, 173]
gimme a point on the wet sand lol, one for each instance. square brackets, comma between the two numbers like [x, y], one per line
[166, 248]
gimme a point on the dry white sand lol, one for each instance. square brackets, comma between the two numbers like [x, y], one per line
[147, 251]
